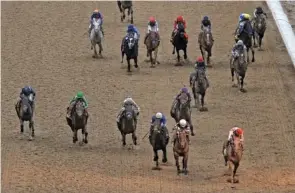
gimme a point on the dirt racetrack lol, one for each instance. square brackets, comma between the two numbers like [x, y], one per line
[44, 44]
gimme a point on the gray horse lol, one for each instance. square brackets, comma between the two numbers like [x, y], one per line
[128, 124]
[239, 68]
[184, 111]
[96, 37]
[199, 89]
[123, 5]
[158, 141]
[78, 120]
[259, 26]
[25, 113]
[206, 43]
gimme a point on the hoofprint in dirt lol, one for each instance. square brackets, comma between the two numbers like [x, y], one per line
[55, 62]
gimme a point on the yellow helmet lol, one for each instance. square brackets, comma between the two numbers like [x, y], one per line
[247, 16]
[95, 11]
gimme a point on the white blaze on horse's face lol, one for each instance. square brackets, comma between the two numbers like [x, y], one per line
[130, 43]
[31, 97]
[96, 23]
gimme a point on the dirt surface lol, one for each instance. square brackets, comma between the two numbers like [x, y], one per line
[45, 45]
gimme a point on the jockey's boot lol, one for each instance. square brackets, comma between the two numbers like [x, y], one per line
[145, 37]
[119, 115]
[172, 36]
[200, 36]
[189, 141]
[166, 133]
[207, 82]
[69, 112]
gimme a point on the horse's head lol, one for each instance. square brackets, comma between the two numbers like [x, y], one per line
[129, 112]
[156, 127]
[25, 103]
[130, 40]
[237, 146]
[182, 139]
[260, 22]
[79, 108]
[207, 36]
[96, 23]
[201, 78]
[154, 38]
[241, 57]
[183, 100]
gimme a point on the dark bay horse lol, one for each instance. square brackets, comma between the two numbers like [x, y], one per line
[128, 124]
[199, 89]
[181, 149]
[239, 68]
[184, 111]
[246, 37]
[206, 44]
[78, 120]
[25, 113]
[259, 25]
[152, 43]
[232, 156]
[158, 141]
[129, 47]
[123, 5]
[180, 42]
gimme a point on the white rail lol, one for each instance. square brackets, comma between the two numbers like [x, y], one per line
[284, 26]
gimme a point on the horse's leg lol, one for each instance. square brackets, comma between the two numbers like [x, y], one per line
[178, 56]
[94, 51]
[236, 165]
[156, 56]
[21, 126]
[231, 172]
[151, 58]
[135, 62]
[238, 79]
[75, 136]
[176, 157]
[123, 15]
[85, 133]
[254, 39]
[129, 66]
[208, 58]
[195, 96]
[123, 139]
[33, 128]
[100, 48]
[185, 53]
[173, 51]
[122, 53]
[253, 54]
[164, 160]
[134, 138]
[202, 100]
[248, 58]
[185, 160]
[156, 157]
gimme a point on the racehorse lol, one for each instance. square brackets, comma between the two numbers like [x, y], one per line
[232, 156]
[179, 42]
[259, 29]
[78, 121]
[246, 37]
[96, 37]
[129, 47]
[158, 141]
[152, 43]
[199, 89]
[128, 124]
[184, 111]
[206, 43]
[239, 68]
[125, 5]
[25, 113]
[181, 149]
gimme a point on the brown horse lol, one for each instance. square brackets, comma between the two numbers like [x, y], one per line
[152, 43]
[206, 43]
[232, 156]
[181, 149]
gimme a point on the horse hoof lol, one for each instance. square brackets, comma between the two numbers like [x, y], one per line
[164, 160]
[85, 141]
[152, 66]
[192, 134]
[234, 85]
[155, 159]
[93, 56]
[185, 172]
[30, 138]
[178, 172]
[236, 181]
[243, 90]
[136, 66]
[253, 60]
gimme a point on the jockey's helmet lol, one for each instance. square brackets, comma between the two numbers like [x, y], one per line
[247, 16]
[200, 59]
[159, 115]
[179, 19]
[239, 131]
[182, 123]
[128, 99]
[184, 89]
[80, 94]
[241, 17]
[26, 90]
[152, 20]
[240, 43]
[130, 27]
[206, 18]
[95, 11]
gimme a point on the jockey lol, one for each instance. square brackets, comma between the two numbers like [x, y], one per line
[243, 19]
[79, 96]
[97, 15]
[259, 11]
[180, 126]
[199, 66]
[176, 100]
[178, 20]
[238, 46]
[206, 23]
[26, 91]
[163, 121]
[132, 29]
[152, 26]
[128, 101]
